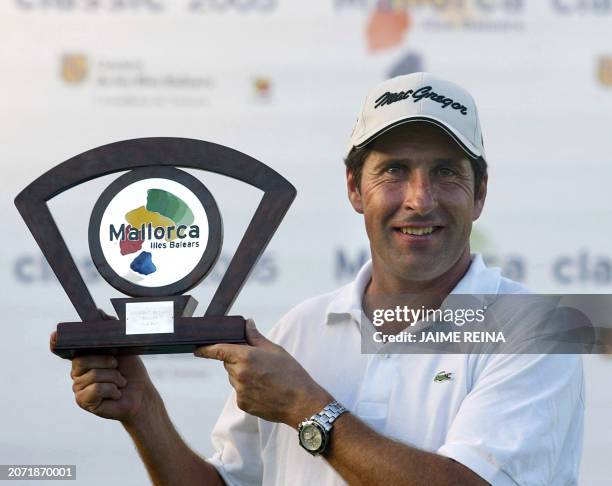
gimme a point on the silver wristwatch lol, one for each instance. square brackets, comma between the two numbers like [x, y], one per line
[314, 432]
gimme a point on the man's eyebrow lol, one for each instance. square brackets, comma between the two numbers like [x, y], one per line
[387, 162]
[456, 162]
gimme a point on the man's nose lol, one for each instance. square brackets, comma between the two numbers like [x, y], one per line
[420, 194]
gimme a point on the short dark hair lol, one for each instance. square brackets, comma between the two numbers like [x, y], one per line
[357, 157]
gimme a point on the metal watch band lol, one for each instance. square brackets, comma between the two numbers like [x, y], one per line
[329, 414]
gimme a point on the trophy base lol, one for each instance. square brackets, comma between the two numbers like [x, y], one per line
[110, 337]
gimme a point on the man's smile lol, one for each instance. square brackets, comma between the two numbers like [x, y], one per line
[417, 232]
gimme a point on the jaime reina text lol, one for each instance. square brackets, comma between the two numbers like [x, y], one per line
[412, 316]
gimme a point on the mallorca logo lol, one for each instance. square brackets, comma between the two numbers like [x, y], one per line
[153, 232]
[162, 221]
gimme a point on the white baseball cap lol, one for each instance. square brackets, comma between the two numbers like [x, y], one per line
[420, 97]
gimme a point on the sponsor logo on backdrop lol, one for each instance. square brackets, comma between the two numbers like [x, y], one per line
[390, 21]
[262, 88]
[582, 7]
[74, 68]
[486, 7]
[130, 82]
[149, 6]
[387, 28]
[91, 6]
[604, 70]
[220, 6]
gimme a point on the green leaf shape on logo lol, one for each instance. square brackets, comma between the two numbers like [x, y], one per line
[170, 206]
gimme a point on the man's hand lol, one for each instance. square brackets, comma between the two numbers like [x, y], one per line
[119, 388]
[111, 387]
[269, 382]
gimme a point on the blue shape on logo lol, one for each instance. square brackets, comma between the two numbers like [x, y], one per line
[143, 264]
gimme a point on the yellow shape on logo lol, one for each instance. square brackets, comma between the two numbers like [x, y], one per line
[139, 216]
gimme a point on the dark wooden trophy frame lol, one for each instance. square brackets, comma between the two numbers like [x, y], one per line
[94, 334]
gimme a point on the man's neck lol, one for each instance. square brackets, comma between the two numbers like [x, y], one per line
[387, 287]
[387, 283]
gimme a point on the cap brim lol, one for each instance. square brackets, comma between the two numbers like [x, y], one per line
[467, 146]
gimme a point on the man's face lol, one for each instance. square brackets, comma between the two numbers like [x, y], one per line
[417, 198]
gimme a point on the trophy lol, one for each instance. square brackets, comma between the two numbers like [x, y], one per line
[154, 233]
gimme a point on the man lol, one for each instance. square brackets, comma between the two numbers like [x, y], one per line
[416, 170]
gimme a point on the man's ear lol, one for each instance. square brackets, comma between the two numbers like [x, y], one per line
[481, 196]
[354, 193]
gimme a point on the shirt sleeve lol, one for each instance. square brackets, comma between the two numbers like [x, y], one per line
[522, 421]
[235, 438]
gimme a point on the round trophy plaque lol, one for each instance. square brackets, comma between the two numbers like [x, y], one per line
[155, 231]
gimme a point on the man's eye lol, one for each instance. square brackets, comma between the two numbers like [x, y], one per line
[394, 169]
[446, 172]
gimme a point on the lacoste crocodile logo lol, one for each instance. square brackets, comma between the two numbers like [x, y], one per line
[443, 376]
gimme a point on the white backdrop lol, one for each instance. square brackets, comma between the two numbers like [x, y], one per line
[282, 80]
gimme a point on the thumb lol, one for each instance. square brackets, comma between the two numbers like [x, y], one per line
[53, 341]
[254, 337]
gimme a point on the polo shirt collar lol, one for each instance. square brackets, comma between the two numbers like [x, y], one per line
[478, 280]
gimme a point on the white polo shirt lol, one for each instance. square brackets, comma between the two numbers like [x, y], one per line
[512, 419]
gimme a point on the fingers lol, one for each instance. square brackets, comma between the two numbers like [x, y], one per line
[253, 336]
[99, 376]
[53, 341]
[232, 353]
[97, 384]
[82, 364]
[92, 396]
[229, 353]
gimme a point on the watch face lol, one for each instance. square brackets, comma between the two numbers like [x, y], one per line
[311, 437]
